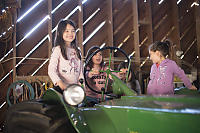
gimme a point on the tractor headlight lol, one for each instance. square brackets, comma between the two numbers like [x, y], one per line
[74, 94]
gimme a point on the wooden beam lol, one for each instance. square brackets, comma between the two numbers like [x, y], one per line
[110, 28]
[110, 23]
[34, 78]
[14, 46]
[136, 37]
[80, 26]
[14, 53]
[122, 24]
[50, 28]
[14, 4]
[136, 29]
[149, 24]
[149, 28]
[197, 15]
[176, 32]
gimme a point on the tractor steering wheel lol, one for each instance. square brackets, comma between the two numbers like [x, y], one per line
[108, 70]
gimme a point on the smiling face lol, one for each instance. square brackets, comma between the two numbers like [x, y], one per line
[97, 58]
[69, 34]
[123, 73]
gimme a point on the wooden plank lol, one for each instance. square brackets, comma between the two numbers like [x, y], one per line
[136, 37]
[121, 16]
[50, 27]
[149, 25]
[14, 46]
[95, 21]
[110, 23]
[34, 78]
[197, 14]
[175, 22]
[186, 20]
[184, 7]
[91, 6]
[125, 30]
[14, 53]
[149, 29]
[99, 38]
[158, 12]
[188, 37]
[80, 26]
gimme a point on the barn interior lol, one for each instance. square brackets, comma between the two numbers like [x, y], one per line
[27, 32]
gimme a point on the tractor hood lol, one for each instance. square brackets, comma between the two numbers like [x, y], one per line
[130, 114]
[173, 104]
[157, 114]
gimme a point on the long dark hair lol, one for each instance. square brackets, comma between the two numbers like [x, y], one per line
[133, 81]
[163, 47]
[59, 38]
[90, 51]
[125, 65]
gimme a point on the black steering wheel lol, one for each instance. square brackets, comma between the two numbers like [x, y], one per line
[108, 70]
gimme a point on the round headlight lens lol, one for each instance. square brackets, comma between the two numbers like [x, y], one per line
[74, 94]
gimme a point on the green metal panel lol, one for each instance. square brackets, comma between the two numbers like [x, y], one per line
[135, 114]
[145, 115]
[144, 121]
[119, 87]
[73, 113]
[154, 114]
[98, 121]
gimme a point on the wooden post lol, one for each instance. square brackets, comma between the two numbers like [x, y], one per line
[110, 23]
[136, 37]
[14, 46]
[50, 27]
[176, 31]
[14, 53]
[80, 26]
[197, 15]
[149, 31]
[149, 24]
[110, 28]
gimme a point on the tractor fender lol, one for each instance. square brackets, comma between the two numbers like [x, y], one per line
[74, 114]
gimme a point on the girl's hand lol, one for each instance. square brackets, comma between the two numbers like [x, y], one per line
[193, 88]
[62, 85]
[92, 73]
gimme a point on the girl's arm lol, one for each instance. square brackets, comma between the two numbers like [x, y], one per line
[53, 68]
[181, 74]
[61, 84]
[193, 88]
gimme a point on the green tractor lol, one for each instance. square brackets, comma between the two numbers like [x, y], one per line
[65, 113]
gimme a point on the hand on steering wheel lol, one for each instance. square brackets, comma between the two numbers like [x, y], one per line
[108, 71]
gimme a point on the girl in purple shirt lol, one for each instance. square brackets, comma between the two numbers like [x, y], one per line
[163, 71]
[65, 65]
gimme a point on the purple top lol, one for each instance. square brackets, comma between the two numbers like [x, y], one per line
[162, 77]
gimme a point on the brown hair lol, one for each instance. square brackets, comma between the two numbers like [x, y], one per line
[162, 47]
[59, 38]
[90, 51]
